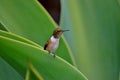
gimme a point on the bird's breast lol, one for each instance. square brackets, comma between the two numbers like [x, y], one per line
[55, 40]
[54, 43]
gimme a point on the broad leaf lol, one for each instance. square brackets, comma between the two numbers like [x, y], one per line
[29, 19]
[17, 54]
[94, 36]
[16, 37]
[7, 72]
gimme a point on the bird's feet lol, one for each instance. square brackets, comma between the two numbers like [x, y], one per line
[52, 53]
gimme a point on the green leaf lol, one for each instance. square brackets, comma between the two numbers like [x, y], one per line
[29, 19]
[16, 37]
[2, 27]
[94, 36]
[17, 53]
[34, 71]
[119, 75]
[7, 72]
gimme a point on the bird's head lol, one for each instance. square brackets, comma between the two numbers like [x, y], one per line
[58, 32]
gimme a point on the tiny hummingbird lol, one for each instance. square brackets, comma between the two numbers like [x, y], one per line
[53, 43]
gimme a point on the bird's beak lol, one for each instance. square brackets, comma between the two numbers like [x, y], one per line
[65, 30]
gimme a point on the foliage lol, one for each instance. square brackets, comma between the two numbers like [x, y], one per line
[28, 27]
[91, 46]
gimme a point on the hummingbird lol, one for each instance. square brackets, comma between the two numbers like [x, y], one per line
[53, 43]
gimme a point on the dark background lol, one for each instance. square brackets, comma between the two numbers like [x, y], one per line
[53, 7]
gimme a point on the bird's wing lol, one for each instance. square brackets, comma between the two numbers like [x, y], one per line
[46, 44]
